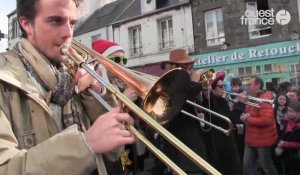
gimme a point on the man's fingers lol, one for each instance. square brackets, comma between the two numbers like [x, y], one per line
[127, 140]
[124, 117]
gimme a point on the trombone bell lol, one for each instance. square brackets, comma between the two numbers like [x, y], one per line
[167, 96]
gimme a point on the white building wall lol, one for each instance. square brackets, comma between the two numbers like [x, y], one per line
[182, 29]
[12, 42]
[86, 39]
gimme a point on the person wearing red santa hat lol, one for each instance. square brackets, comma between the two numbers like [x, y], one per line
[116, 53]
[111, 50]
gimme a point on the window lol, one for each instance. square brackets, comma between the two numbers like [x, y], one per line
[241, 71]
[214, 27]
[257, 31]
[295, 73]
[279, 68]
[245, 71]
[268, 68]
[95, 37]
[136, 40]
[166, 33]
[15, 29]
[257, 70]
[161, 3]
[248, 70]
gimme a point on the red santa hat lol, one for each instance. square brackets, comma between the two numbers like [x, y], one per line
[105, 47]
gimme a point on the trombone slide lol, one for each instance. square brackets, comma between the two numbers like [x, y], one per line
[142, 138]
[227, 120]
[118, 70]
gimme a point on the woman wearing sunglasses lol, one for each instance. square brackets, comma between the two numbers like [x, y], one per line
[223, 152]
[116, 53]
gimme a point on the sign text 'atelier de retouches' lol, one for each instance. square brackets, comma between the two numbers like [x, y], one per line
[269, 51]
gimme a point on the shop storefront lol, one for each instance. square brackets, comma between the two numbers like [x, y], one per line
[274, 63]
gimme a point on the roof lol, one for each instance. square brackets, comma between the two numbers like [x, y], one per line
[12, 13]
[103, 17]
[118, 12]
[134, 11]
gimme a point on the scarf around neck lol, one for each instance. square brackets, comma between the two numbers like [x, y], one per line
[53, 78]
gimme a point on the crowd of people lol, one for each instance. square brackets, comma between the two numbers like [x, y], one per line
[51, 124]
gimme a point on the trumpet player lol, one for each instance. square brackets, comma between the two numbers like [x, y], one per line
[45, 127]
[222, 149]
[261, 132]
[236, 109]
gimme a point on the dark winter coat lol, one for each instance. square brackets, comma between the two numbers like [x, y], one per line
[223, 152]
[187, 130]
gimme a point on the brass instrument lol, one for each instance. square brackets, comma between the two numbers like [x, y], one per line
[248, 102]
[227, 120]
[206, 77]
[160, 98]
[204, 80]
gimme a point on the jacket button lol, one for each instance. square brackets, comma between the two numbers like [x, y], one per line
[29, 141]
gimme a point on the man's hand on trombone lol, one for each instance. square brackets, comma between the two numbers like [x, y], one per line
[84, 80]
[108, 132]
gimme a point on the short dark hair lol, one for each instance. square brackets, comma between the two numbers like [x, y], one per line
[295, 105]
[258, 80]
[27, 8]
[236, 81]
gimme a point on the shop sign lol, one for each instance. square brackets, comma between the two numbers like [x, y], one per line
[268, 51]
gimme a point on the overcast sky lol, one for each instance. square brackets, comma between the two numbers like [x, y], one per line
[6, 7]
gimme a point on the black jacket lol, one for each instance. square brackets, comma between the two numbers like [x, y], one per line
[187, 130]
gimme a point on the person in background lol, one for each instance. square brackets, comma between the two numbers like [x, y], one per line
[237, 108]
[185, 128]
[261, 134]
[222, 149]
[290, 141]
[45, 124]
[116, 53]
[280, 111]
[134, 155]
[293, 94]
[284, 86]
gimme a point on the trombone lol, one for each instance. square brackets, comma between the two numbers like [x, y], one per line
[160, 97]
[204, 80]
[248, 102]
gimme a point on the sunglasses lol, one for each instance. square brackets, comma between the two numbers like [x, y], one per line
[221, 85]
[118, 59]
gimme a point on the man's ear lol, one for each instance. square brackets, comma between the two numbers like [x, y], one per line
[26, 25]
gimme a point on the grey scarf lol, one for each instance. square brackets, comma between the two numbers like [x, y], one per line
[54, 78]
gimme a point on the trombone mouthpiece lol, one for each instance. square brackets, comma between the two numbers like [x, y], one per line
[64, 49]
